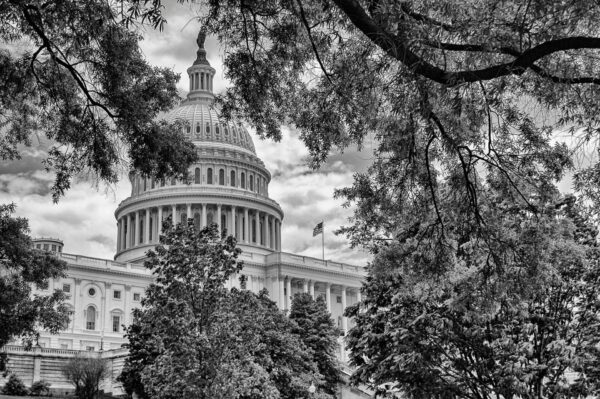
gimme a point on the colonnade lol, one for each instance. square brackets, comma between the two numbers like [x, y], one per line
[247, 225]
[308, 286]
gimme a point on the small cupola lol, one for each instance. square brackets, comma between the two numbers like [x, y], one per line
[48, 244]
[201, 74]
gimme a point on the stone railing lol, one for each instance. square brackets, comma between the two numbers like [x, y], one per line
[288, 258]
[105, 264]
[209, 189]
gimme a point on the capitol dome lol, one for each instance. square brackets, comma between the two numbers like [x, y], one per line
[228, 186]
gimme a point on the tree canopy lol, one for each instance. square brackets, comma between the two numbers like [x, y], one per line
[319, 333]
[23, 267]
[195, 338]
[73, 72]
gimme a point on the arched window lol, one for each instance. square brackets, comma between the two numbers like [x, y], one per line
[209, 219]
[151, 224]
[197, 128]
[207, 127]
[197, 176]
[251, 183]
[253, 232]
[226, 130]
[183, 218]
[217, 129]
[188, 128]
[243, 180]
[144, 184]
[221, 177]
[234, 134]
[197, 220]
[209, 176]
[223, 221]
[90, 319]
[232, 178]
[152, 183]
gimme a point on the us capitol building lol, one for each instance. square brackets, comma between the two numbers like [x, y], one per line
[229, 186]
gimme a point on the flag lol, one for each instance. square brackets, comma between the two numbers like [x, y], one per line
[318, 229]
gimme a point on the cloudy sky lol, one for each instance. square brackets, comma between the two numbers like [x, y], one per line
[84, 218]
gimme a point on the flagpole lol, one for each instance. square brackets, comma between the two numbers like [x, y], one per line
[323, 240]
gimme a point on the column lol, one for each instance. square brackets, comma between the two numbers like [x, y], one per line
[281, 294]
[344, 318]
[147, 227]
[174, 214]
[328, 296]
[267, 232]
[118, 235]
[77, 314]
[219, 218]
[203, 215]
[311, 289]
[137, 228]
[257, 227]
[233, 222]
[189, 212]
[289, 292]
[128, 234]
[107, 318]
[159, 223]
[278, 235]
[246, 228]
[358, 295]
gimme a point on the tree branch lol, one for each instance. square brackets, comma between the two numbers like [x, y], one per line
[398, 49]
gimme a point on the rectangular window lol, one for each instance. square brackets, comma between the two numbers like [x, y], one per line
[53, 248]
[116, 294]
[90, 348]
[64, 346]
[136, 297]
[339, 299]
[116, 323]
[90, 325]
[46, 247]
[66, 288]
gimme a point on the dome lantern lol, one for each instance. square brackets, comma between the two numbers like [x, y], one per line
[201, 74]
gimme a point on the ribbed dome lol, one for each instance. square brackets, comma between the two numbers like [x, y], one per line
[203, 126]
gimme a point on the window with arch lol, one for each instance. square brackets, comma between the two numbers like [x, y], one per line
[243, 180]
[262, 236]
[232, 178]
[207, 127]
[226, 130]
[152, 182]
[217, 129]
[209, 219]
[253, 232]
[197, 220]
[197, 176]
[234, 133]
[188, 128]
[144, 184]
[198, 128]
[151, 224]
[223, 221]
[221, 177]
[183, 218]
[90, 318]
[209, 176]
[251, 183]
[141, 231]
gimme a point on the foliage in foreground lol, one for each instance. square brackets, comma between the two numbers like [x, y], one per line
[319, 333]
[73, 72]
[462, 336]
[40, 388]
[14, 386]
[21, 268]
[194, 338]
[86, 373]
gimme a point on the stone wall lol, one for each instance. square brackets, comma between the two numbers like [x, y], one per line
[46, 364]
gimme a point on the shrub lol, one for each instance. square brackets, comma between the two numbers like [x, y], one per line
[40, 388]
[86, 373]
[14, 386]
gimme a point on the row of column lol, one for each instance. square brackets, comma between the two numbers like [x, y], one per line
[308, 286]
[249, 226]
